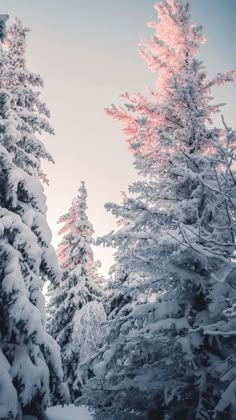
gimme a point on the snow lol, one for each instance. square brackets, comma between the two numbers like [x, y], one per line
[69, 412]
[89, 329]
[8, 394]
[99, 369]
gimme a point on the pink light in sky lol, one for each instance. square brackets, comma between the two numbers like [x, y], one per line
[87, 57]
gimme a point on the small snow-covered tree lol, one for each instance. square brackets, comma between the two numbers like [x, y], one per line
[30, 359]
[88, 332]
[79, 286]
[167, 357]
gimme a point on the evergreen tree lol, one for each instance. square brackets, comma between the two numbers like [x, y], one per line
[79, 287]
[30, 359]
[169, 355]
[30, 149]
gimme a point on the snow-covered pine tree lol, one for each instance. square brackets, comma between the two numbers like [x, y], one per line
[26, 100]
[30, 359]
[168, 357]
[78, 288]
[153, 123]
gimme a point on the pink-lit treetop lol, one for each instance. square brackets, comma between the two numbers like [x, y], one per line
[77, 231]
[177, 113]
[176, 41]
[15, 43]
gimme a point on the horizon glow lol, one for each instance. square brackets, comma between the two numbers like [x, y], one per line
[87, 54]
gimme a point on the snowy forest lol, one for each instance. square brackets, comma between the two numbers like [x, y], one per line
[156, 338]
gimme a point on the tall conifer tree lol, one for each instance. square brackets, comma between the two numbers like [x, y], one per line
[167, 357]
[30, 359]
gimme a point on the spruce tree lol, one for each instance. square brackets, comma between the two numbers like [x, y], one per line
[78, 288]
[30, 359]
[169, 356]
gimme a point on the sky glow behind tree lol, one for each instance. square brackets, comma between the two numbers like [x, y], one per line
[86, 51]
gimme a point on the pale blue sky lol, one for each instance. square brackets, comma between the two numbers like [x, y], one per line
[86, 51]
